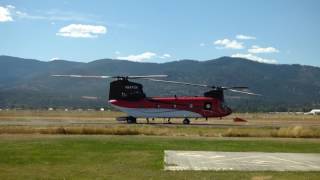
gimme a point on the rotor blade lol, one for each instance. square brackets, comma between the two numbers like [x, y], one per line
[244, 92]
[147, 76]
[193, 84]
[105, 77]
[82, 76]
[177, 82]
[235, 87]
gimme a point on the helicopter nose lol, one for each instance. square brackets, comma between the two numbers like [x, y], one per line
[228, 110]
[113, 101]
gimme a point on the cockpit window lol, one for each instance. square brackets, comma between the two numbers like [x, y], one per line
[223, 105]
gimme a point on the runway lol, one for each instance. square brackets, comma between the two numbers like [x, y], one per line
[240, 161]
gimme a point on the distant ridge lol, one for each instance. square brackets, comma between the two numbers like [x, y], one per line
[27, 82]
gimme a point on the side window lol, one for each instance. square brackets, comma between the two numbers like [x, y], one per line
[207, 106]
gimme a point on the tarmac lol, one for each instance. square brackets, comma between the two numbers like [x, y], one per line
[240, 161]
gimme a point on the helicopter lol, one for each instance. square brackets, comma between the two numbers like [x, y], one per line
[128, 97]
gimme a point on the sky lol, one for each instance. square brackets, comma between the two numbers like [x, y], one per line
[273, 31]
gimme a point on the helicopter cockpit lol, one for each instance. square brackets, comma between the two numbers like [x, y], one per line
[215, 94]
[126, 90]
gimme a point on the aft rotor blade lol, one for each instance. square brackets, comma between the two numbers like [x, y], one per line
[235, 87]
[177, 82]
[244, 92]
[82, 76]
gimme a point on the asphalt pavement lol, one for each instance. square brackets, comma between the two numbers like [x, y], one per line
[240, 161]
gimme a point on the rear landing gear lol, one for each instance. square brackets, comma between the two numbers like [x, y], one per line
[186, 121]
[131, 120]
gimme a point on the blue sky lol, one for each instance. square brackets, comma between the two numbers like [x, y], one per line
[273, 31]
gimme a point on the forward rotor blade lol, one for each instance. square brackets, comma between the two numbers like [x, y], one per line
[147, 76]
[82, 76]
[177, 82]
[244, 92]
[106, 77]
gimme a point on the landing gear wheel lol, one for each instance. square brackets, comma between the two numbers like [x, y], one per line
[186, 121]
[131, 120]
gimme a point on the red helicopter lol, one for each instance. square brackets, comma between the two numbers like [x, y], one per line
[128, 97]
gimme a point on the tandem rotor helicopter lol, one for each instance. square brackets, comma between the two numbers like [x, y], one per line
[128, 97]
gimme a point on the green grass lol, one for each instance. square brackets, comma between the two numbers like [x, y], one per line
[129, 157]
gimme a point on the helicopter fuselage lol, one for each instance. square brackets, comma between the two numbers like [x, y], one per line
[173, 107]
[129, 97]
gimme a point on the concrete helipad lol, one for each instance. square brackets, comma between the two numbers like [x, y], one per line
[240, 161]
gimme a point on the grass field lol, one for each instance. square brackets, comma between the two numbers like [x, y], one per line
[130, 157]
[86, 145]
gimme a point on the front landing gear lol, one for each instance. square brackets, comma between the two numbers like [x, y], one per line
[186, 121]
[131, 120]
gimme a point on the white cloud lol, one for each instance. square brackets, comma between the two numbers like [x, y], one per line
[255, 58]
[10, 13]
[5, 14]
[65, 16]
[55, 58]
[10, 6]
[117, 52]
[256, 49]
[82, 31]
[59, 15]
[24, 15]
[202, 44]
[143, 56]
[245, 37]
[228, 44]
[139, 57]
[167, 55]
[164, 56]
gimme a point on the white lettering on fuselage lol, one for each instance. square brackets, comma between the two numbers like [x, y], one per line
[131, 87]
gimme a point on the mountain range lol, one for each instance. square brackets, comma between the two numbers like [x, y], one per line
[27, 83]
